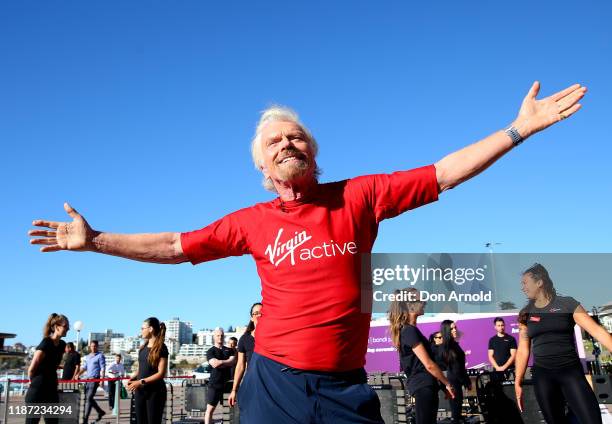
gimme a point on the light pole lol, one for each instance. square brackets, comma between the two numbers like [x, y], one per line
[489, 245]
[78, 326]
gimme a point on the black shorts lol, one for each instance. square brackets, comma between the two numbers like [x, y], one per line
[214, 395]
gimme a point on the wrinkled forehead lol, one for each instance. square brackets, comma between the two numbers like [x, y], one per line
[275, 129]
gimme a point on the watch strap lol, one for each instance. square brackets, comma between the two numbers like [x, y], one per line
[514, 135]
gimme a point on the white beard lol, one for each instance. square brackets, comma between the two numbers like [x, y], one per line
[292, 170]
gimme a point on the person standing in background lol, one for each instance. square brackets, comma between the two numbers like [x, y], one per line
[452, 357]
[246, 347]
[94, 368]
[416, 359]
[220, 358]
[115, 370]
[233, 345]
[43, 368]
[502, 348]
[72, 363]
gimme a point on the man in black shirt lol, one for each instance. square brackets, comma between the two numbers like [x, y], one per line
[232, 344]
[72, 362]
[221, 359]
[502, 348]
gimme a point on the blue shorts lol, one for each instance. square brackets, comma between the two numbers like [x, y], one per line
[274, 393]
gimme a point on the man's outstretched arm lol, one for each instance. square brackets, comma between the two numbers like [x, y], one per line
[534, 116]
[161, 248]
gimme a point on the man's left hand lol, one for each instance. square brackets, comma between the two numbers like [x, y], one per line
[536, 115]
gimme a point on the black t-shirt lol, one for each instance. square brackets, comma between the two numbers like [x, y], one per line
[551, 330]
[416, 373]
[220, 375]
[246, 345]
[501, 348]
[71, 360]
[46, 372]
[456, 372]
[145, 369]
[435, 355]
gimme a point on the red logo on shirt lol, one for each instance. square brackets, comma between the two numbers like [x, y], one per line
[534, 319]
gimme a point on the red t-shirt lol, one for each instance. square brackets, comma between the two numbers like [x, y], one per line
[308, 256]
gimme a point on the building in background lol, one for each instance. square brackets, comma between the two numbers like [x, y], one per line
[204, 337]
[124, 344]
[192, 353]
[173, 346]
[178, 330]
[104, 339]
[605, 316]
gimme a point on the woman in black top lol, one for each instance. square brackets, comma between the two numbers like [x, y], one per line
[246, 346]
[451, 359]
[546, 326]
[43, 368]
[435, 340]
[148, 382]
[415, 355]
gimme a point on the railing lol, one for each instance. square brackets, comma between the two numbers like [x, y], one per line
[72, 392]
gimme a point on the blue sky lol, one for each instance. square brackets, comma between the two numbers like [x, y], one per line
[140, 115]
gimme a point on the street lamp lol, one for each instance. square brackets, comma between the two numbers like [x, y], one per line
[489, 245]
[78, 326]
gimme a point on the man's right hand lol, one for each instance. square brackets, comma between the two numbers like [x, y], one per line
[76, 235]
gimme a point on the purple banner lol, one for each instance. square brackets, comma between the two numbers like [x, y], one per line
[474, 339]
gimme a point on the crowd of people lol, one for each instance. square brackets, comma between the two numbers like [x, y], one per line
[228, 365]
[430, 364]
[546, 326]
[308, 244]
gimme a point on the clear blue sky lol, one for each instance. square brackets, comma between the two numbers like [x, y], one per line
[140, 115]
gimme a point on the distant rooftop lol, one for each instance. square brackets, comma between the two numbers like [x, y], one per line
[7, 335]
[3, 352]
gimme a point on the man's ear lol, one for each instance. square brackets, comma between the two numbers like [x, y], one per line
[265, 172]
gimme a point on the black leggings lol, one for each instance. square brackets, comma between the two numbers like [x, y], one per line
[426, 405]
[43, 394]
[553, 388]
[150, 404]
[456, 403]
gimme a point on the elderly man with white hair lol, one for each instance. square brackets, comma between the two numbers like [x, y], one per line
[307, 243]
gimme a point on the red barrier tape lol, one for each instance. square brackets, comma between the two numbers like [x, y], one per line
[99, 380]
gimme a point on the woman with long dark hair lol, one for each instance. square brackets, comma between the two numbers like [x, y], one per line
[246, 346]
[421, 371]
[451, 357]
[148, 382]
[546, 326]
[45, 362]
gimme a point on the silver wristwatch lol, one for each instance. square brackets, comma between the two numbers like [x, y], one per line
[514, 135]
